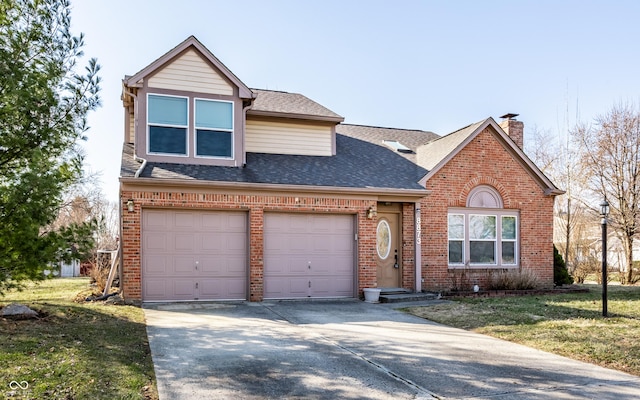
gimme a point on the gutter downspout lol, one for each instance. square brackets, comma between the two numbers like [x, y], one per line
[244, 129]
[418, 247]
[144, 164]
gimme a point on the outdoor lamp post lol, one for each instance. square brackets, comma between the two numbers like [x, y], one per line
[604, 211]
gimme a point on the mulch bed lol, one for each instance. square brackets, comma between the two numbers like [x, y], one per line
[514, 293]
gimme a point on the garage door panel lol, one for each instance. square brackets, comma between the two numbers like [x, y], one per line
[184, 265]
[155, 288]
[184, 242]
[323, 243]
[322, 265]
[235, 243]
[210, 242]
[332, 287]
[182, 288]
[213, 222]
[283, 265]
[292, 242]
[155, 241]
[342, 244]
[236, 265]
[286, 288]
[287, 243]
[236, 223]
[175, 242]
[154, 220]
[322, 223]
[184, 221]
[156, 265]
[228, 289]
[222, 266]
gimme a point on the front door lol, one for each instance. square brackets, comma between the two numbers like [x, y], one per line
[388, 250]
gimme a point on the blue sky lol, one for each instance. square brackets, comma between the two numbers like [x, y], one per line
[431, 65]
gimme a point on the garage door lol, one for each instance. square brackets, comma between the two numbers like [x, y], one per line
[194, 255]
[308, 255]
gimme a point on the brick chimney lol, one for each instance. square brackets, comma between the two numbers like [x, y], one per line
[513, 128]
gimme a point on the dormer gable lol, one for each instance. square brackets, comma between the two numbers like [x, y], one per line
[193, 46]
[187, 107]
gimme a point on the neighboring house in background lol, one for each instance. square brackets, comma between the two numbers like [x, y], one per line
[231, 193]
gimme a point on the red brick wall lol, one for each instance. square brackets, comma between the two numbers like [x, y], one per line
[484, 161]
[256, 205]
[408, 246]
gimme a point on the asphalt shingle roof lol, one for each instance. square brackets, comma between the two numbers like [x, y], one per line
[432, 153]
[357, 164]
[269, 101]
[411, 138]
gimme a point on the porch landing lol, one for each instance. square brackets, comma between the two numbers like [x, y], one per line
[399, 295]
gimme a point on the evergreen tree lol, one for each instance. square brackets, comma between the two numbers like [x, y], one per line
[44, 102]
[560, 273]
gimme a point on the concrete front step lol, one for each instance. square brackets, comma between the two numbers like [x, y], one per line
[402, 297]
[393, 290]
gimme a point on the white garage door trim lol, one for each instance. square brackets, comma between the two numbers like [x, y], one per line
[309, 255]
[192, 255]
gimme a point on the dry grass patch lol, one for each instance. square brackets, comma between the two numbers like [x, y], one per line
[74, 351]
[569, 324]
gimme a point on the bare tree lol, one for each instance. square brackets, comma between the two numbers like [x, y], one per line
[611, 158]
[556, 158]
[85, 201]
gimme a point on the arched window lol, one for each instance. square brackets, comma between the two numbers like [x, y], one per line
[484, 234]
[484, 197]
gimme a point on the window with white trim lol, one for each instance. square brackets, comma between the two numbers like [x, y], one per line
[171, 131]
[168, 126]
[214, 128]
[483, 234]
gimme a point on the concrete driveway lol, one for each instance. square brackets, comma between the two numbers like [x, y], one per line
[352, 350]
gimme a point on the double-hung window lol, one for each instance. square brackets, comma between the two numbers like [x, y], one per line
[168, 125]
[483, 234]
[214, 128]
[206, 133]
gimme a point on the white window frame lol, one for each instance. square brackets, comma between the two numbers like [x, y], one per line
[169, 126]
[466, 250]
[195, 129]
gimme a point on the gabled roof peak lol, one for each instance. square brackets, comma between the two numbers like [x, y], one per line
[436, 154]
[191, 41]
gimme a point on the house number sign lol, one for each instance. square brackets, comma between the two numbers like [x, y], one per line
[418, 228]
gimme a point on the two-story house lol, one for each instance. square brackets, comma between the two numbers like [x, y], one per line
[232, 193]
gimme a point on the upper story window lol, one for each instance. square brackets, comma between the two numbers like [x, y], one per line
[214, 128]
[168, 125]
[483, 234]
[171, 131]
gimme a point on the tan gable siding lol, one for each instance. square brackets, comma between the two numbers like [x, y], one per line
[288, 138]
[190, 73]
[132, 128]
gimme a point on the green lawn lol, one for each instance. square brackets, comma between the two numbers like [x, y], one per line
[567, 324]
[74, 351]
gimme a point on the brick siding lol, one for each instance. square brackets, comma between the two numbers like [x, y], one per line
[256, 205]
[491, 163]
[484, 161]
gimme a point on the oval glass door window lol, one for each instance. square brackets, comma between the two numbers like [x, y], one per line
[383, 239]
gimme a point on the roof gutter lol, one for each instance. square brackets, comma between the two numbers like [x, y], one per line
[135, 113]
[260, 113]
[416, 193]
